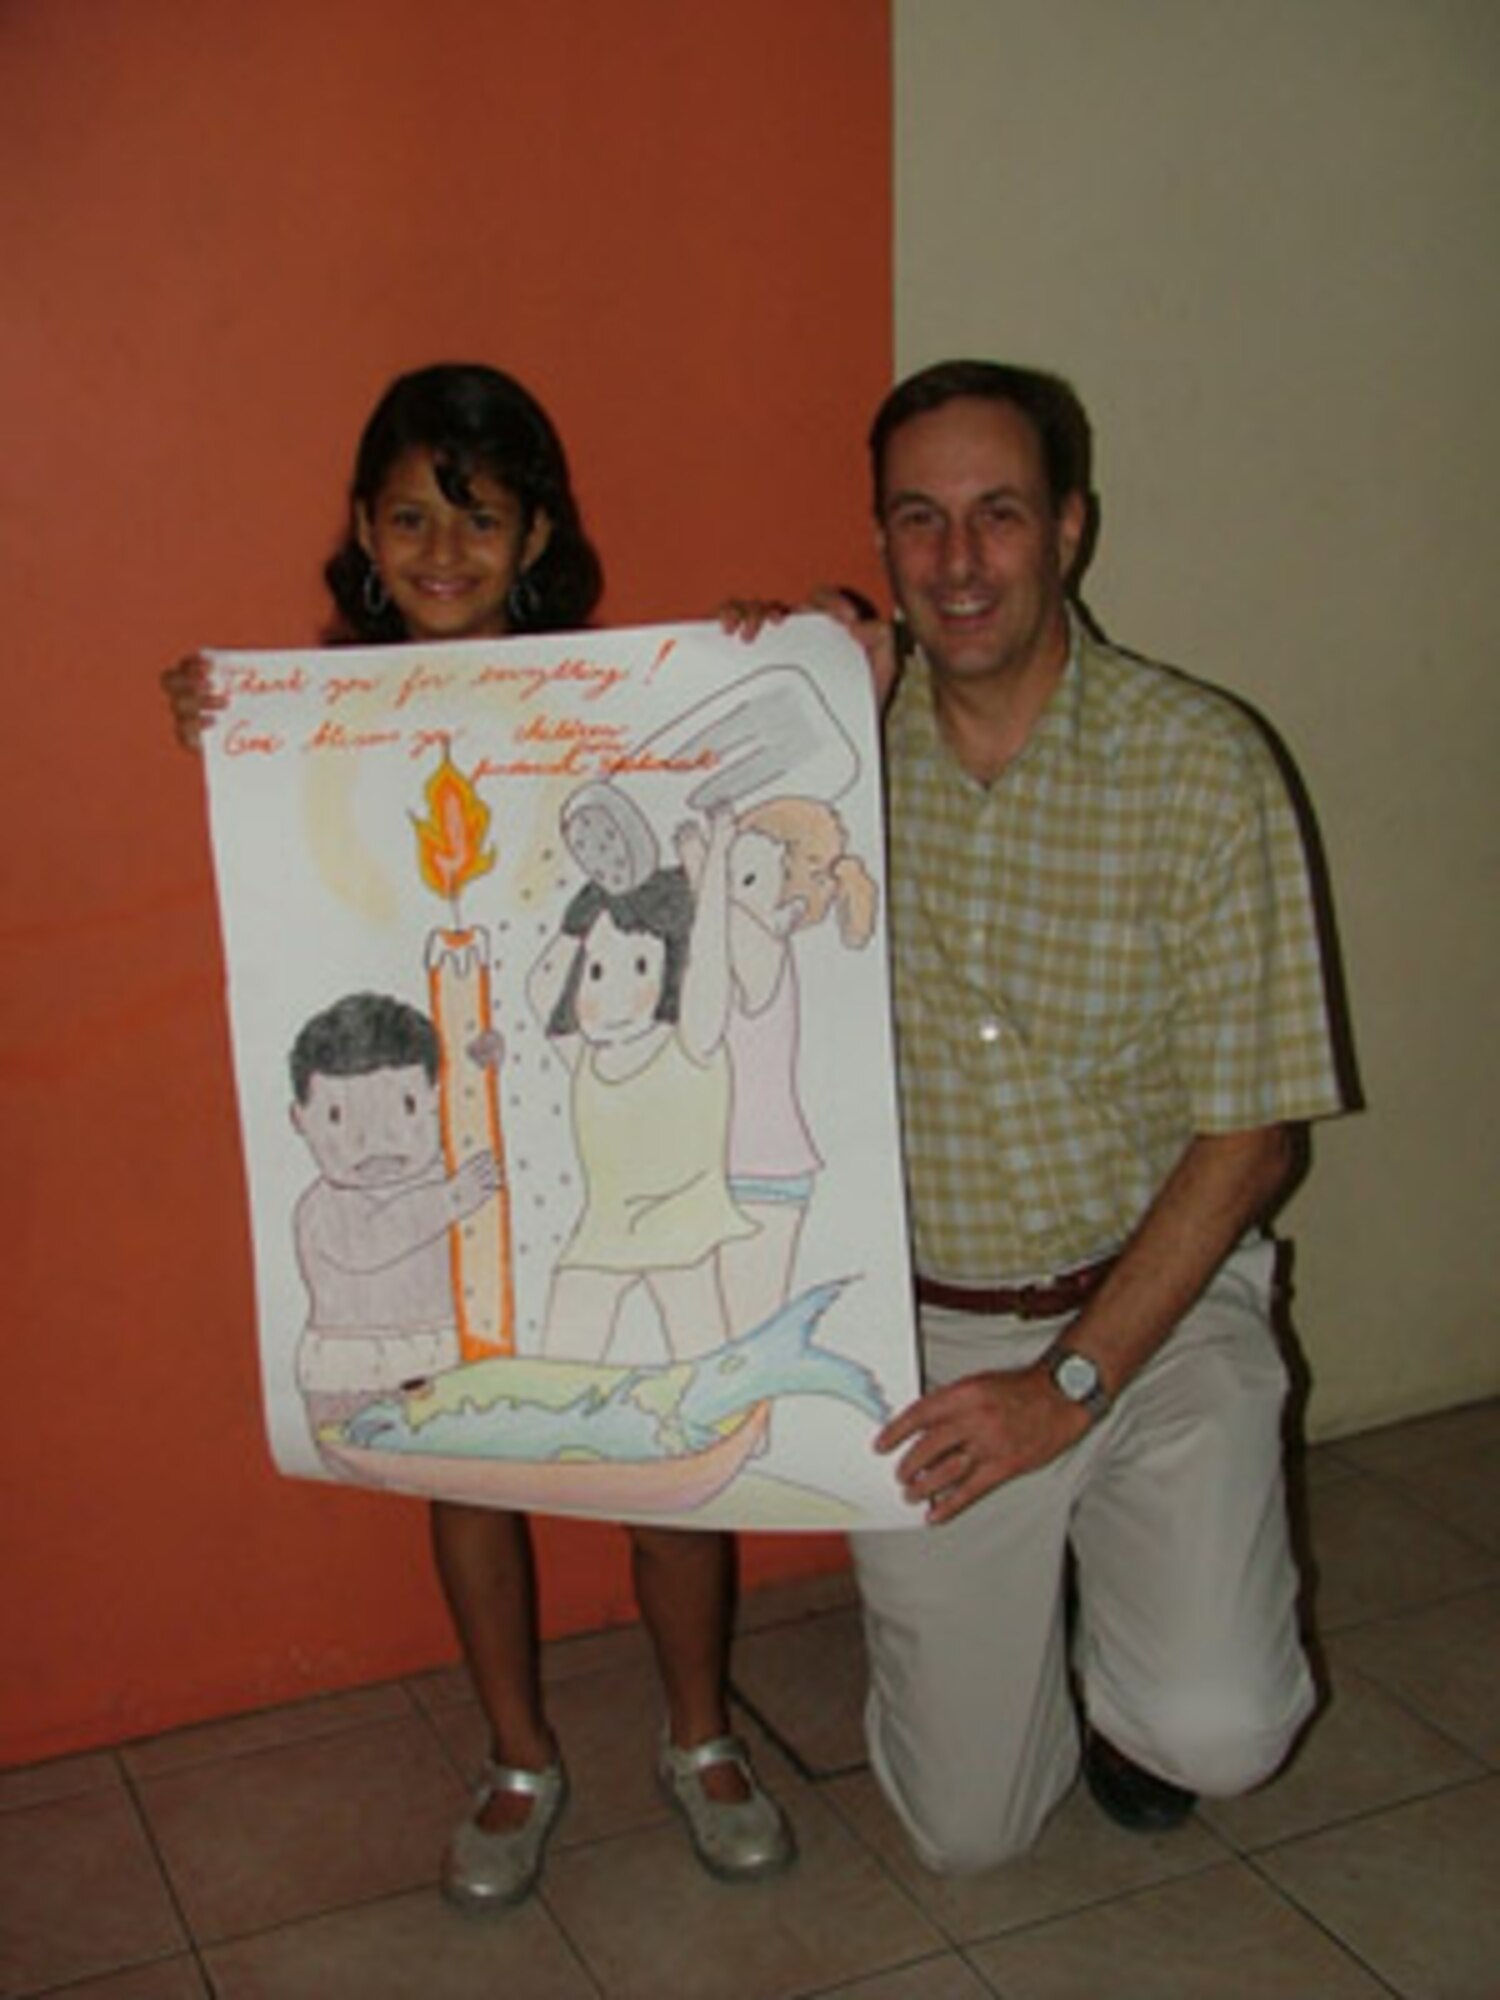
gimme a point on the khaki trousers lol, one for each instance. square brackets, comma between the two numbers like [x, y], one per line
[1185, 1646]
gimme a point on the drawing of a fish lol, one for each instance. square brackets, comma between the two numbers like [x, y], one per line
[539, 1411]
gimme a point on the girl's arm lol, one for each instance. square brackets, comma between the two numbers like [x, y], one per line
[704, 1012]
[755, 958]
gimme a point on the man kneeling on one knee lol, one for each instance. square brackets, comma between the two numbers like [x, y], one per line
[1111, 1023]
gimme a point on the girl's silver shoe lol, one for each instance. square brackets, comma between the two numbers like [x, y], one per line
[742, 1841]
[484, 1871]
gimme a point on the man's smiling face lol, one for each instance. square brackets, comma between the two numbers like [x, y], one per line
[977, 552]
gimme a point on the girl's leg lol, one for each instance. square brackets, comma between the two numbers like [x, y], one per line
[691, 1308]
[755, 1272]
[685, 1586]
[581, 1312]
[484, 1561]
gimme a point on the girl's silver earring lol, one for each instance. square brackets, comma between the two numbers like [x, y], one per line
[376, 600]
[523, 603]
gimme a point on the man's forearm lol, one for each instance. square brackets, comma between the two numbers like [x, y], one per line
[960, 1441]
[1222, 1185]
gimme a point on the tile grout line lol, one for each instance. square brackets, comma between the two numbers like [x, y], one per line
[143, 1820]
[1341, 1945]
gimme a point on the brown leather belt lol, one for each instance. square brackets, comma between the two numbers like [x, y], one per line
[1049, 1298]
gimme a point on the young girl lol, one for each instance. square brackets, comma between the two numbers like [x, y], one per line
[463, 525]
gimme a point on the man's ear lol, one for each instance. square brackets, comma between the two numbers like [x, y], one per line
[1072, 528]
[297, 1115]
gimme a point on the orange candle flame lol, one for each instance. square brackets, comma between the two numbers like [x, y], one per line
[452, 848]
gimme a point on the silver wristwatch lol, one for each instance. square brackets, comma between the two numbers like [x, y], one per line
[1078, 1379]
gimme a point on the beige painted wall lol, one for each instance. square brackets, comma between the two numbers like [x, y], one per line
[1261, 238]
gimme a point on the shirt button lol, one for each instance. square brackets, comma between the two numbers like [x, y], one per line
[989, 1029]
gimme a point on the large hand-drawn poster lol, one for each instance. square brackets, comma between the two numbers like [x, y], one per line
[559, 1007]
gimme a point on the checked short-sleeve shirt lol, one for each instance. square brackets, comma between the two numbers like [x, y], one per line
[1110, 949]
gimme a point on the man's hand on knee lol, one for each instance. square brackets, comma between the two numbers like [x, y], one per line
[974, 1435]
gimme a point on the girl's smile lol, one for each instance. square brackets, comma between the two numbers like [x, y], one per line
[448, 568]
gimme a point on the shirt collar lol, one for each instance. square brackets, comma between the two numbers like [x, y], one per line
[1072, 724]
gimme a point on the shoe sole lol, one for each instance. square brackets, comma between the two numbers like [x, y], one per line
[480, 1907]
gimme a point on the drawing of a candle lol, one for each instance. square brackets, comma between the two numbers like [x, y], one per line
[452, 852]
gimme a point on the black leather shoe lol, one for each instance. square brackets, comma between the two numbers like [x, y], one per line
[1132, 1797]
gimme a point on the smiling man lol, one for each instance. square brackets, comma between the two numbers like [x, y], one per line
[1111, 1025]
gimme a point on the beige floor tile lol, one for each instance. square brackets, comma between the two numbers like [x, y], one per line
[168, 1979]
[1364, 1751]
[1398, 1448]
[1219, 1936]
[80, 1893]
[410, 1947]
[1318, 1465]
[649, 1923]
[1411, 1891]
[1462, 1489]
[1377, 1552]
[266, 1729]
[1443, 1661]
[275, 1835]
[609, 1726]
[945, 1978]
[439, 1688]
[1081, 1858]
[806, 1681]
[59, 1778]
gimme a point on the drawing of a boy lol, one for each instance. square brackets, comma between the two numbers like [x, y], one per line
[372, 1231]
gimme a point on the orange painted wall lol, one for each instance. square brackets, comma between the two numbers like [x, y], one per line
[224, 229]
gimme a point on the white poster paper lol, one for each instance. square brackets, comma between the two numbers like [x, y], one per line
[559, 1005]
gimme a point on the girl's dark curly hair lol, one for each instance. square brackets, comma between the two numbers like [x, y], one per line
[473, 420]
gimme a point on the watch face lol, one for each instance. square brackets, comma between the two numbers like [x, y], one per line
[1076, 1376]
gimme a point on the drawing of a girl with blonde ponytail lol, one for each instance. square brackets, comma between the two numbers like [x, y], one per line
[789, 870]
